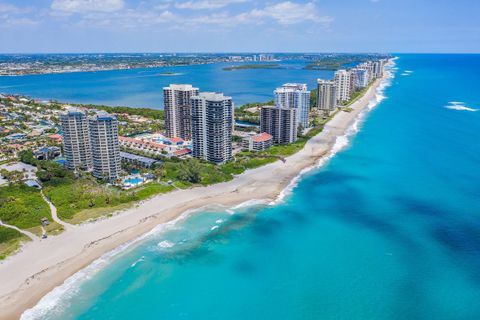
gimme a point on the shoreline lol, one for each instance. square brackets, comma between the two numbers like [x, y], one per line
[40, 267]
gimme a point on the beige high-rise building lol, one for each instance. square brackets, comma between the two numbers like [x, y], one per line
[212, 127]
[343, 82]
[105, 146]
[76, 139]
[177, 109]
[326, 95]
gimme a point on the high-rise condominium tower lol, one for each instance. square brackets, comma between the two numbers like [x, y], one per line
[178, 110]
[212, 126]
[295, 95]
[76, 139]
[344, 84]
[279, 122]
[105, 146]
[326, 96]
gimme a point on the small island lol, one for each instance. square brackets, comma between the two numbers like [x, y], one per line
[253, 66]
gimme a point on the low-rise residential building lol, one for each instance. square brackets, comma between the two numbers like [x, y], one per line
[47, 153]
[257, 142]
[141, 145]
[138, 160]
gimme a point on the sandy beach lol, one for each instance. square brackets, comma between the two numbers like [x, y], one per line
[42, 265]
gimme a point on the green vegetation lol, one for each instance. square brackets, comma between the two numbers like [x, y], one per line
[10, 241]
[250, 112]
[72, 196]
[144, 112]
[90, 198]
[313, 98]
[22, 206]
[335, 62]
[253, 66]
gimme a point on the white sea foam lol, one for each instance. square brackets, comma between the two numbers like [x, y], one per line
[461, 108]
[165, 244]
[137, 261]
[219, 221]
[458, 105]
[249, 203]
[214, 228]
[408, 71]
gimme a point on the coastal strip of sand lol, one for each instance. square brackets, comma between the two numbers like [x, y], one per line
[43, 265]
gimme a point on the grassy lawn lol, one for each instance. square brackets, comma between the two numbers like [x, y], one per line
[72, 196]
[10, 241]
[152, 189]
[97, 213]
[22, 206]
[52, 229]
[84, 199]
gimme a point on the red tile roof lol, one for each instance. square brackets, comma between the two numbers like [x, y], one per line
[144, 143]
[55, 136]
[182, 152]
[262, 137]
[176, 140]
[15, 146]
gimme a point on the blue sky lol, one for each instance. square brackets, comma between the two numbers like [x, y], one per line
[239, 26]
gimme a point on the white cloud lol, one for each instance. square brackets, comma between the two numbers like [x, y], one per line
[285, 13]
[288, 13]
[8, 8]
[20, 22]
[81, 6]
[206, 4]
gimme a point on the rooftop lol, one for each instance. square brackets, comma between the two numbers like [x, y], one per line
[134, 157]
[212, 96]
[261, 137]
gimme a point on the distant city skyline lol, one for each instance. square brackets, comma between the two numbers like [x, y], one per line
[81, 26]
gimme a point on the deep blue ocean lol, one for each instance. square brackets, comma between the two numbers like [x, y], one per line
[389, 228]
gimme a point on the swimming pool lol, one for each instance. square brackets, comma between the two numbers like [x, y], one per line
[134, 181]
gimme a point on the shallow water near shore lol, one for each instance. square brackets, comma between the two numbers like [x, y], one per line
[388, 229]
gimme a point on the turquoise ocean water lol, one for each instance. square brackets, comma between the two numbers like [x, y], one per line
[389, 228]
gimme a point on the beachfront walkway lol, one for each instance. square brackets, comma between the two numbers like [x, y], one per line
[26, 233]
[55, 217]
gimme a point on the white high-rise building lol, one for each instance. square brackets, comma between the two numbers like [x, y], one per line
[177, 107]
[344, 84]
[281, 123]
[326, 95]
[105, 146]
[76, 139]
[361, 77]
[295, 95]
[212, 127]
